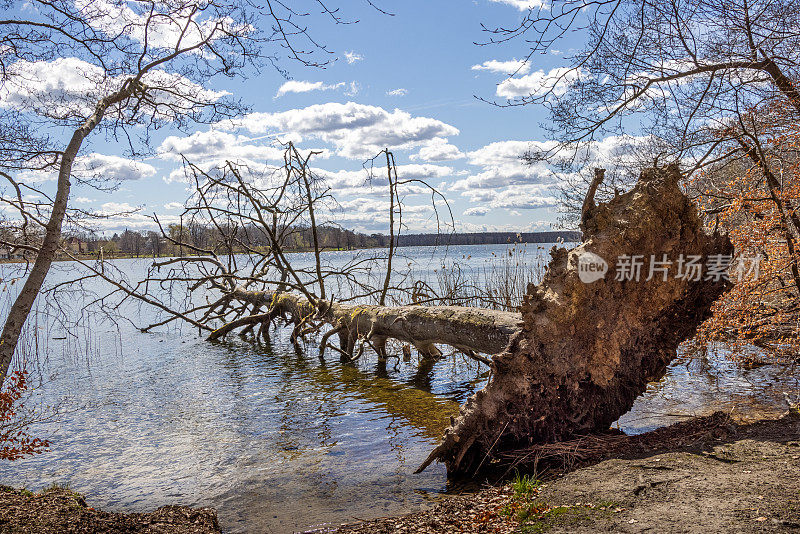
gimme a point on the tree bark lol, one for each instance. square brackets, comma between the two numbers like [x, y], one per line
[467, 329]
[587, 350]
[23, 304]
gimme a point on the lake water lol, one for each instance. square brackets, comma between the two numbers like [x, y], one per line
[275, 439]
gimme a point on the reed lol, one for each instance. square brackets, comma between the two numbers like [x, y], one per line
[498, 284]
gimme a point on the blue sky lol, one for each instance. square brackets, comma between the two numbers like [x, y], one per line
[406, 81]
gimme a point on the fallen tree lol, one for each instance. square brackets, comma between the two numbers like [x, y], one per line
[246, 282]
[572, 362]
[587, 350]
[470, 330]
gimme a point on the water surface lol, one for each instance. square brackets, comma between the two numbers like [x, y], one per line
[276, 439]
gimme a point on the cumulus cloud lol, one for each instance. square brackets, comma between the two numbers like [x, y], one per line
[438, 149]
[119, 216]
[294, 86]
[111, 167]
[556, 81]
[532, 226]
[478, 211]
[397, 92]
[173, 206]
[117, 208]
[97, 166]
[503, 180]
[70, 87]
[526, 197]
[215, 144]
[351, 57]
[363, 182]
[356, 131]
[501, 166]
[513, 66]
[367, 214]
[131, 19]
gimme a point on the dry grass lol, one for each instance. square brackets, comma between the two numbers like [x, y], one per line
[499, 284]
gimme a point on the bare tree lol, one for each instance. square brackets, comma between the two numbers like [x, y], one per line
[243, 279]
[711, 84]
[684, 73]
[139, 66]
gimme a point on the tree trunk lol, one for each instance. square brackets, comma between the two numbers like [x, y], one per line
[23, 304]
[44, 258]
[468, 329]
[587, 350]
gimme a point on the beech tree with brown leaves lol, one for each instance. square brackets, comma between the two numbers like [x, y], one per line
[710, 84]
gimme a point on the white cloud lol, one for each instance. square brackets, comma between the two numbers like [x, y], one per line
[523, 5]
[361, 182]
[356, 131]
[513, 66]
[112, 168]
[64, 86]
[96, 166]
[70, 87]
[397, 92]
[351, 57]
[176, 27]
[294, 86]
[504, 180]
[215, 144]
[533, 226]
[82, 200]
[173, 206]
[477, 211]
[501, 166]
[367, 214]
[539, 83]
[119, 216]
[116, 208]
[424, 171]
[438, 149]
[526, 197]
[353, 89]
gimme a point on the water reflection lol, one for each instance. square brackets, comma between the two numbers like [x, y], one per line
[701, 386]
[278, 440]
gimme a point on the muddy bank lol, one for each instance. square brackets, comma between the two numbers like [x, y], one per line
[61, 510]
[711, 475]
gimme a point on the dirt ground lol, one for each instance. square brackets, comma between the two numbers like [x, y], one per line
[705, 476]
[58, 510]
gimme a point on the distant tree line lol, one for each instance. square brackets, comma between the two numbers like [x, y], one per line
[485, 238]
[151, 243]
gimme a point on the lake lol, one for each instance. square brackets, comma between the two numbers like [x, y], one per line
[273, 438]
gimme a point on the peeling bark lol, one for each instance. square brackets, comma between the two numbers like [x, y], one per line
[587, 350]
[466, 329]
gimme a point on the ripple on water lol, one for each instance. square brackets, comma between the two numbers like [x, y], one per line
[277, 440]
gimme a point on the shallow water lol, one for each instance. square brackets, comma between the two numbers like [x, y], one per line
[278, 440]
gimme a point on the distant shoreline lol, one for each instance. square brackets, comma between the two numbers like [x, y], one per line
[403, 241]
